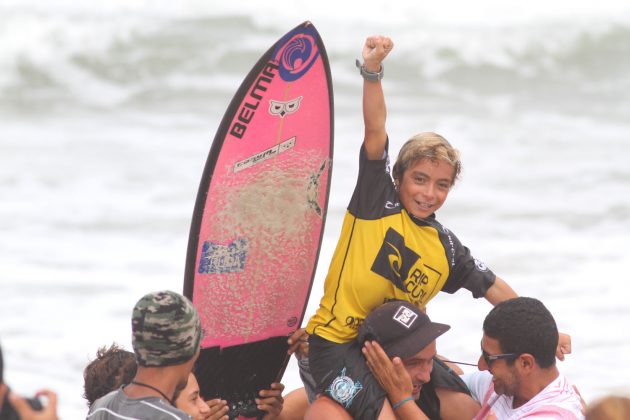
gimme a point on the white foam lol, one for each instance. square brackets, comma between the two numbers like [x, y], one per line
[99, 173]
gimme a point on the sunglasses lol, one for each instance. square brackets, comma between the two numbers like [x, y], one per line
[491, 358]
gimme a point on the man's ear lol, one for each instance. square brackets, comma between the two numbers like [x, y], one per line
[526, 361]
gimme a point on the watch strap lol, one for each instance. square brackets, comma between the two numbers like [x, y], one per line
[370, 76]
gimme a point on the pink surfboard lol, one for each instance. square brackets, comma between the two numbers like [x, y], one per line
[259, 219]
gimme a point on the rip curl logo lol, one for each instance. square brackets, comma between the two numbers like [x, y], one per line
[283, 108]
[296, 53]
[394, 259]
[481, 266]
[343, 389]
[405, 316]
[217, 258]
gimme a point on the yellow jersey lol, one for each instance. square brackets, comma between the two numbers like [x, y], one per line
[385, 253]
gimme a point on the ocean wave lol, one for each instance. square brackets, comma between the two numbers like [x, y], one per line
[58, 60]
[596, 57]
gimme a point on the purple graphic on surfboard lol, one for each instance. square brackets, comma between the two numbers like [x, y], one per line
[296, 53]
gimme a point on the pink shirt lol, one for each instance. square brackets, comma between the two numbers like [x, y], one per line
[557, 401]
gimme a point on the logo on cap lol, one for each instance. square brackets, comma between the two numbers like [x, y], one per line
[405, 316]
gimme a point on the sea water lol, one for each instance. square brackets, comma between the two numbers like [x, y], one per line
[108, 109]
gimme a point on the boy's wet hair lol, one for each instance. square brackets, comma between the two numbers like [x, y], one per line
[430, 146]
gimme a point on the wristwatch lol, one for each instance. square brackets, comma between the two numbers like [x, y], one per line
[370, 76]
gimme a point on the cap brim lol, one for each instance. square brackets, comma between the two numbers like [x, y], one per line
[417, 340]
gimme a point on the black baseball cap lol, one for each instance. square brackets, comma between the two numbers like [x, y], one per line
[400, 328]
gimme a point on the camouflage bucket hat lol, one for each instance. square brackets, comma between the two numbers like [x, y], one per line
[166, 329]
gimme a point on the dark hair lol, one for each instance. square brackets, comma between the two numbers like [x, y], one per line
[524, 325]
[178, 392]
[111, 369]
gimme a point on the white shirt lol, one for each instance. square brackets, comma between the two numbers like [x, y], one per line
[557, 401]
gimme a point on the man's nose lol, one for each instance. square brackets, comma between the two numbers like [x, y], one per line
[204, 408]
[481, 364]
[424, 375]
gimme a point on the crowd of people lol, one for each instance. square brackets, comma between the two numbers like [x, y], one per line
[517, 376]
[369, 351]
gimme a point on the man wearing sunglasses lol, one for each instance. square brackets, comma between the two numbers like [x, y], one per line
[518, 377]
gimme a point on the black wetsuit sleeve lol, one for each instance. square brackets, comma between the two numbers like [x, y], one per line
[466, 271]
[374, 187]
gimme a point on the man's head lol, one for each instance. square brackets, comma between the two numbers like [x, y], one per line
[425, 170]
[406, 332]
[189, 400]
[112, 368]
[519, 336]
[611, 407]
[166, 330]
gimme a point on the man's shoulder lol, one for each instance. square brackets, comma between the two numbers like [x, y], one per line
[105, 399]
[477, 377]
[117, 404]
[557, 401]
[478, 382]
[552, 412]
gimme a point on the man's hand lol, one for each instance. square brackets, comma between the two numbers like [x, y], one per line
[25, 412]
[564, 345]
[298, 344]
[375, 50]
[391, 374]
[271, 401]
[218, 409]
